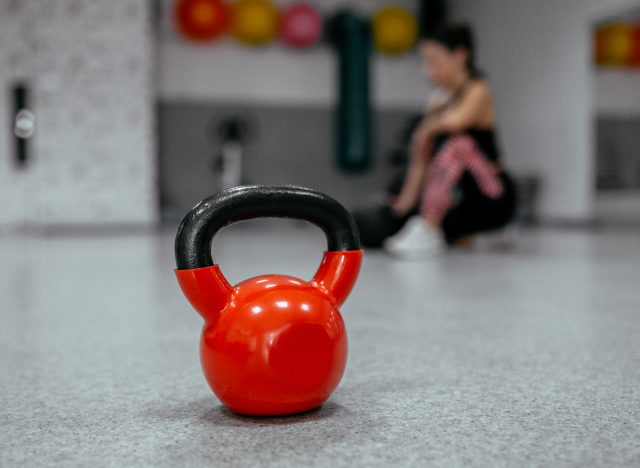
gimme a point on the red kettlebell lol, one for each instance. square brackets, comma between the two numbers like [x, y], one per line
[271, 345]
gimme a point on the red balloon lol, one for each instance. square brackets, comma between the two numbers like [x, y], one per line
[301, 25]
[202, 20]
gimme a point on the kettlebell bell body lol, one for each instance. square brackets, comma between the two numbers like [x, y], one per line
[274, 344]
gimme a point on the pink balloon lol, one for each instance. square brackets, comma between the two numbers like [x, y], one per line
[301, 25]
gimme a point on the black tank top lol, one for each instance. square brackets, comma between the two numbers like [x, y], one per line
[485, 140]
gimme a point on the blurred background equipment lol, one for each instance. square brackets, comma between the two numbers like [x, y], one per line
[395, 30]
[616, 117]
[301, 26]
[349, 33]
[377, 223]
[227, 164]
[202, 20]
[255, 22]
[24, 123]
[527, 196]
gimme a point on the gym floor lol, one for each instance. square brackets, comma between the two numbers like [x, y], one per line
[521, 357]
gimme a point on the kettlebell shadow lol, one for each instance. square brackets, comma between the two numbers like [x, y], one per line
[210, 412]
[223, 417]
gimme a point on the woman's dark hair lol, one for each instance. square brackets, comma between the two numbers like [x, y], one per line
[458, 36]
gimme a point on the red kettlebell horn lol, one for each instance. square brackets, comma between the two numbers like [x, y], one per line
[274, 344]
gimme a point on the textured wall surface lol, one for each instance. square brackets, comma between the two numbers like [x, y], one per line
[89, 67]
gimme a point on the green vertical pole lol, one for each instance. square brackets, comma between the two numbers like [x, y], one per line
[351, 36]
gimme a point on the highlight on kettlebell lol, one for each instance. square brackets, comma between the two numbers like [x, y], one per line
[271, 345]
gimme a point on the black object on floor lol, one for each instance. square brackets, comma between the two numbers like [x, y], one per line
[377, 223]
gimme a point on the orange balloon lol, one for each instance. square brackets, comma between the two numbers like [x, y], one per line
[614, 44]
[202, 20]
[255, 22]
[395, 30]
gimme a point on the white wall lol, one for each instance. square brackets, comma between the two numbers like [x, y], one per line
[227, 71]
[617, 92]
[538, 57]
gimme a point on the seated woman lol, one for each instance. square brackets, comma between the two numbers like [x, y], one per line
[455, 174]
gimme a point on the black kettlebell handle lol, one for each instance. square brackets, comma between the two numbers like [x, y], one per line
[200, 225]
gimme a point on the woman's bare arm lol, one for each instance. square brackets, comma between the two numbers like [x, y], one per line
[419, 156]
[419, 152]
[474, 109]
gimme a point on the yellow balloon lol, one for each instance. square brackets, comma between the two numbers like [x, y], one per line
[614, 44]
[395, 30]
[255, 22]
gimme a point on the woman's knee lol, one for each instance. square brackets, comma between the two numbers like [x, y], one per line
[459, 148]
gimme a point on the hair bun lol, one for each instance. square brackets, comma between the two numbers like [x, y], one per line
[455, 36]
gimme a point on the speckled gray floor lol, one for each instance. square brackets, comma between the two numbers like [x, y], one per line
[522, 358]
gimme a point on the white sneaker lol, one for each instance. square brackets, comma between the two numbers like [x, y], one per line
[417, 240]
